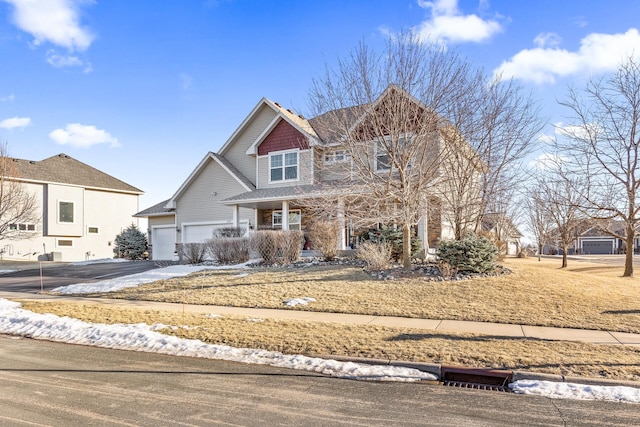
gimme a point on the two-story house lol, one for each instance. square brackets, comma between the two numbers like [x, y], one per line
[79, 211]
[260, 178]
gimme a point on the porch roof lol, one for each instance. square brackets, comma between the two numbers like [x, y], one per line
[272, 198]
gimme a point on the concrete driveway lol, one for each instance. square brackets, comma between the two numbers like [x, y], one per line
[30, 280]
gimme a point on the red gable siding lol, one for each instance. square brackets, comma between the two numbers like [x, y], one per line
[283, 137]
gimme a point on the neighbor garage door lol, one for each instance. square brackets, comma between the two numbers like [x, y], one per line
[597, 247]
[163, 243]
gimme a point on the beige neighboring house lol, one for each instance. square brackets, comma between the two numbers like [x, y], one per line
[80, 209]
[273, 160]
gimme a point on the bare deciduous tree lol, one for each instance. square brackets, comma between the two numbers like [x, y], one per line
[389, 114]
[18, 207]
[602, 148]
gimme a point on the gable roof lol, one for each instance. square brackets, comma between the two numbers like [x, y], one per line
[63, 169]
[159, 209]
[224, 163]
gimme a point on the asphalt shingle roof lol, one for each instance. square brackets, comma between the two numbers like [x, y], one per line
[156, 210]
[63, 169]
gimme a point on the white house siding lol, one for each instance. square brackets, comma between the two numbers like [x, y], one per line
[305, 171]
[64, 193]
[236, 152]
[107, 211]
[200, 203]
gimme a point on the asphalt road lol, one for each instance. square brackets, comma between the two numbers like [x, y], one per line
[44, 383]
[60, 275]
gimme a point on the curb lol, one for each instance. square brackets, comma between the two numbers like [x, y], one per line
[436, 369]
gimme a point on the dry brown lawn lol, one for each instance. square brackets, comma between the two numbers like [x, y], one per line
[585, 295]
[299, 337]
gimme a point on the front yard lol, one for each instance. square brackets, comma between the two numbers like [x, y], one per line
[586, 295]
[538, 293]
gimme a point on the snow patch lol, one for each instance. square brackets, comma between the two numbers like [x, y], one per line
[559, 390]
[298, 301]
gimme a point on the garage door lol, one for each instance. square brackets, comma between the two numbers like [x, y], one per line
[597, 247]
[201, 232]
[163, 243]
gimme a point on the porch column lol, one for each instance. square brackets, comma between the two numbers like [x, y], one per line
[341, 225]
[285, 215]
[235, 215]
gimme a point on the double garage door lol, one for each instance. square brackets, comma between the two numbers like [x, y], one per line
[164, 238]
[597, 247]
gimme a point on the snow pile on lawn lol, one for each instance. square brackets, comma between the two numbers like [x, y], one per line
[17, 321]
[133, 280]
[298, 301]
[558, 390]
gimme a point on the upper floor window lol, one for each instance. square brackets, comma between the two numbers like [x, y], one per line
[386, 148]
[338, 156]
[283, 166]
[65, 211]
[383, 159]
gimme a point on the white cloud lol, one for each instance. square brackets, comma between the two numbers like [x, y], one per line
[82, 136]
[546, 139]
[8, 98]
[53, 21]
[60, 61]
[546, 161]
[447, 24]
[597, 53]
[15, 122]
[547, 40]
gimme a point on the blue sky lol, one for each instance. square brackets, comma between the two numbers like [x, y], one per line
[143, 90]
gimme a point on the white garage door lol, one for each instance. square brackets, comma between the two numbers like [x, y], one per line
[201, 232]
[163, 243]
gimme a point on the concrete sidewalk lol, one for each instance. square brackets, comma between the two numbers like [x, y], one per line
[441, 326]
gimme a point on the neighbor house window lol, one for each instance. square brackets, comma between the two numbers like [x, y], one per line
[92, 230]
[337, 156]
[283, 166]
[65, 242]
[65, 211]
[383, 151]
[22, 227]
[295, 218]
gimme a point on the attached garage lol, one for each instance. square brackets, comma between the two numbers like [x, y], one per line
[598, 247]
[199, 233]
[163, 241]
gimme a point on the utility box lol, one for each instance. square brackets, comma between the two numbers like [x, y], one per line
[55, 256]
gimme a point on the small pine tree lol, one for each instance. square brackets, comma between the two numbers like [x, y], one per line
[472, 254]
[131, 243]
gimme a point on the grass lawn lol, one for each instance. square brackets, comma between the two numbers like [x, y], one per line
[586, 295]
[316, 338]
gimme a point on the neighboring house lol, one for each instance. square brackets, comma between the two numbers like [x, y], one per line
[80, 211]
[260, 178]
[594, 240]
[503, 230]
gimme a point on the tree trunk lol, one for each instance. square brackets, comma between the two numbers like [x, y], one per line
[406, 246]
[564, 256]
[628, 260]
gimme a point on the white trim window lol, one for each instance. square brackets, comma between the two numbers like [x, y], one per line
[64, 243]
[93, 230]
[65, 212]
[283, 166]
[295, 219]
[383, 152]
[337, 156]
[383, 160]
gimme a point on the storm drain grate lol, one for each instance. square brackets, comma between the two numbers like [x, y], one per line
[477, 386]
[478, 379]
